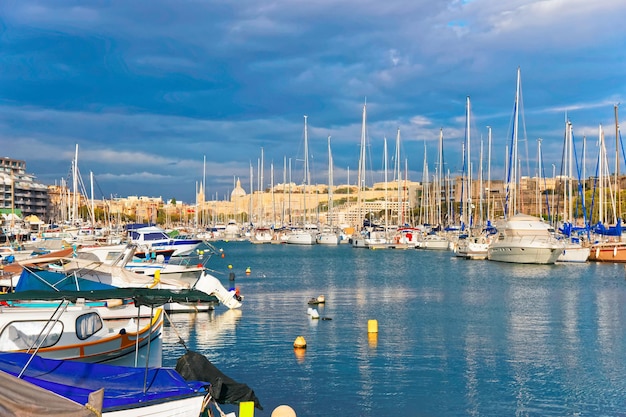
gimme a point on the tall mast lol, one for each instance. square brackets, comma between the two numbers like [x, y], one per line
[361, 174]
[386, 199]
[601, 175]
[306, 166]
[439, 177]
[489, 174]
[75, 187]
[617, 187]
[398, 174]
[468, 210]
[251, 193]
[330, 184]
[282, 220]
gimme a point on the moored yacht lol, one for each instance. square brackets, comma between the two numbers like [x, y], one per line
[525, 239]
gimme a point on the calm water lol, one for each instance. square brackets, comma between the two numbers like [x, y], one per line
[455, 337]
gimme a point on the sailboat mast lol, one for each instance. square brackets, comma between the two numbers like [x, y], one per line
[570, 174]
[440, 177]
[601, 175]
[514, 162]
[386, 199]
[330, 184]
[75, 187]
[617, 187]
[361, 173]
[398, 174]
[282, 220]
[306, 167]
[489, 217]
[469, 166]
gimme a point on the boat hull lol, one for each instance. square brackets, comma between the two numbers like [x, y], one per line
[575, 253]
[183, 407]
[301, 239]
[331, 239]
[608, 252]
[524, 254]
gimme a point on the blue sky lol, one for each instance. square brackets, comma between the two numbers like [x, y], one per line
[148, 89]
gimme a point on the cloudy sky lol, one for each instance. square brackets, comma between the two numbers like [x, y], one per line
[150, 89]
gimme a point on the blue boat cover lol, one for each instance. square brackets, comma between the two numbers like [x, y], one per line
[123, 386]
[44, 280]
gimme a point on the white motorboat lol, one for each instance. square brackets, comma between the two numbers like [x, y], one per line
[525, 239]
[155, 238]
[368, 238]
[473, 247]
[433, 241]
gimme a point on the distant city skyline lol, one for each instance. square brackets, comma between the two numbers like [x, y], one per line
[149, 93]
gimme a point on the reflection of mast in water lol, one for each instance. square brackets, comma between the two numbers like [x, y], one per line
[200, 331]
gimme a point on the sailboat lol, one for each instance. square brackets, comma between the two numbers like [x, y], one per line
[472, 246]
[609, 247]
[521, 238]
[329, 236]
[307, 233]
[365, 235]
[574, 250]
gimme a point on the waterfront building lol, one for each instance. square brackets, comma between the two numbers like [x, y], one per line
[20, 192]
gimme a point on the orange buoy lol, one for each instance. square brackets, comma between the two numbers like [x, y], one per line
[299, 343]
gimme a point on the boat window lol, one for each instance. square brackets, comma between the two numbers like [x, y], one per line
[20, 335]
[155, 236]
[87, 325]
[111, 256]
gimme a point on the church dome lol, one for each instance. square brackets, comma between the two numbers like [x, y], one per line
[238, 191]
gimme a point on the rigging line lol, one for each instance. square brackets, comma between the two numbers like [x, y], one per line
[580, 185]
[180, 339]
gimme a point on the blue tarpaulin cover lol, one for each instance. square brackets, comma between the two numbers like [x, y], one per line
[123, 386]
[39, 279]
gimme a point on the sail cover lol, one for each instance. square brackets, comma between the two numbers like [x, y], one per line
[194, 366]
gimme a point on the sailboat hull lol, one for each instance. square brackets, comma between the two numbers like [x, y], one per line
[608, 252]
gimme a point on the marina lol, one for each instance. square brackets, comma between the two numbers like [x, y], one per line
[455, 337]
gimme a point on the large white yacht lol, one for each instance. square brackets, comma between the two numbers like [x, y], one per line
[524, 239]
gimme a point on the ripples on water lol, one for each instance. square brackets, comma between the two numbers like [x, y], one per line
[456, 337]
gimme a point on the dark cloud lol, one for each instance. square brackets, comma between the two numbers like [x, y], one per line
[148, 90]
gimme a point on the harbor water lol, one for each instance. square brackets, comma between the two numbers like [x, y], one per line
[455, 337]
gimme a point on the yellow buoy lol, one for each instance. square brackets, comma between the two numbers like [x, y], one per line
[283, 411]
[299, 342]
[230, 266]
[372, 339]
[246, 409]
[372, 326]
[247, 270]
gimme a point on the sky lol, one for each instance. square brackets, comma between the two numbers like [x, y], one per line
[161, 96]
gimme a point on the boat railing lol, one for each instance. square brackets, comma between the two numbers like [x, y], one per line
[54, 319]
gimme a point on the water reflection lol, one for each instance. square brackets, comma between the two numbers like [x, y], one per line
[199, 331]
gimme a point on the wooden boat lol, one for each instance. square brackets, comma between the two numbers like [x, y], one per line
[78, 332]
[608, 252]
